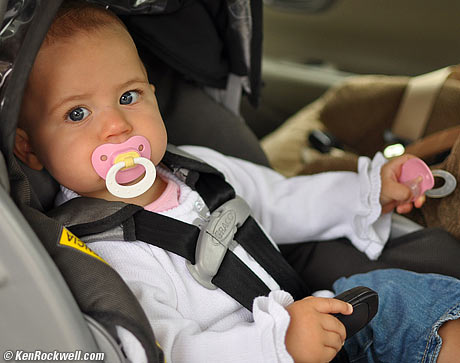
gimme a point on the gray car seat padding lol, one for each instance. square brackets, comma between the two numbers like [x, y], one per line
[210, 124]
[3, 4]
[37, 309]
[105, 342]
[43, 187]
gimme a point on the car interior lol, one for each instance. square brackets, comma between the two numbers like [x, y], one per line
[310, 45]
[309, 48]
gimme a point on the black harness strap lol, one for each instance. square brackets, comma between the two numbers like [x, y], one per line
[233, 277]
[250, 236]
[206, 180]
[214, 190]
[167, 233]
[238, 281]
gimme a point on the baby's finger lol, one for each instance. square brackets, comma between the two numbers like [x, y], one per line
[392, 190]
[388, 207]
[414, 186]
[418, 203]
[332, 306]
[331, 324]
[401, 192]
[404, 208]
[394, 165]
[328, 354]
[333, 340]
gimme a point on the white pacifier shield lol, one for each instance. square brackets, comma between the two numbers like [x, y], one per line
[131, 191]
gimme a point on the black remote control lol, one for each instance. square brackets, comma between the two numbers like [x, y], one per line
[365, 302]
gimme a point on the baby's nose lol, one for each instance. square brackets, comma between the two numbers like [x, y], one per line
[115, 123]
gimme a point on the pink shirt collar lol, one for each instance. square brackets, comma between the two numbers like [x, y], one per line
[168, 199]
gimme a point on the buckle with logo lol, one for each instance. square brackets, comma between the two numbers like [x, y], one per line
[215, 239]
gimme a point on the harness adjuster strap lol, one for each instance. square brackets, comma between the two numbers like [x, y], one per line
[215, 239]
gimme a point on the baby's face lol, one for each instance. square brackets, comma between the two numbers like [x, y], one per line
[84, 92]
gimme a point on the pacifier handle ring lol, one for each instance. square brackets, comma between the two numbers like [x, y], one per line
[450, 183]
[131, 191]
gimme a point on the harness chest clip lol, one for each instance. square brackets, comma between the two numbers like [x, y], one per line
[215, 238]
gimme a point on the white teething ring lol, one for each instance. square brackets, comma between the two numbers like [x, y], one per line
[131, 191]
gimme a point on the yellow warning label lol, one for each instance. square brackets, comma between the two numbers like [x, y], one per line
[69, 239]
[159, 346]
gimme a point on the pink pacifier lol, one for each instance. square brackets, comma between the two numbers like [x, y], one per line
[123, 163]
[417, 176]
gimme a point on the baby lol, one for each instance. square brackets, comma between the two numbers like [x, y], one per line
[88, 87]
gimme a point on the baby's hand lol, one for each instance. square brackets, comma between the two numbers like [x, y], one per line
[393, 193]
[314, 335]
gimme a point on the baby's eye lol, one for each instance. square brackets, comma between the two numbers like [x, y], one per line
[129, 97]
[78, 114]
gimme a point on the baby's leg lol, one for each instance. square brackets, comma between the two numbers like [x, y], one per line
[417, 318]
[450, 334]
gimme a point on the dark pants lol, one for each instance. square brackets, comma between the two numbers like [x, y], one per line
[321, 263]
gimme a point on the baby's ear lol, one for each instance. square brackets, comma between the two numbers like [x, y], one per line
[23, 150]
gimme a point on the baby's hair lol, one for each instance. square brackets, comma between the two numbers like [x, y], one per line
[75, 16]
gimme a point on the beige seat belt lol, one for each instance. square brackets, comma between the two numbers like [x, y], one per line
[434, 143]
[418, 101]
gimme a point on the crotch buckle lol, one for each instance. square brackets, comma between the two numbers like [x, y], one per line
[215, 238]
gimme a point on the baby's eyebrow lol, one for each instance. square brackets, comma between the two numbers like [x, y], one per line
[66, 100]
[131, 82]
